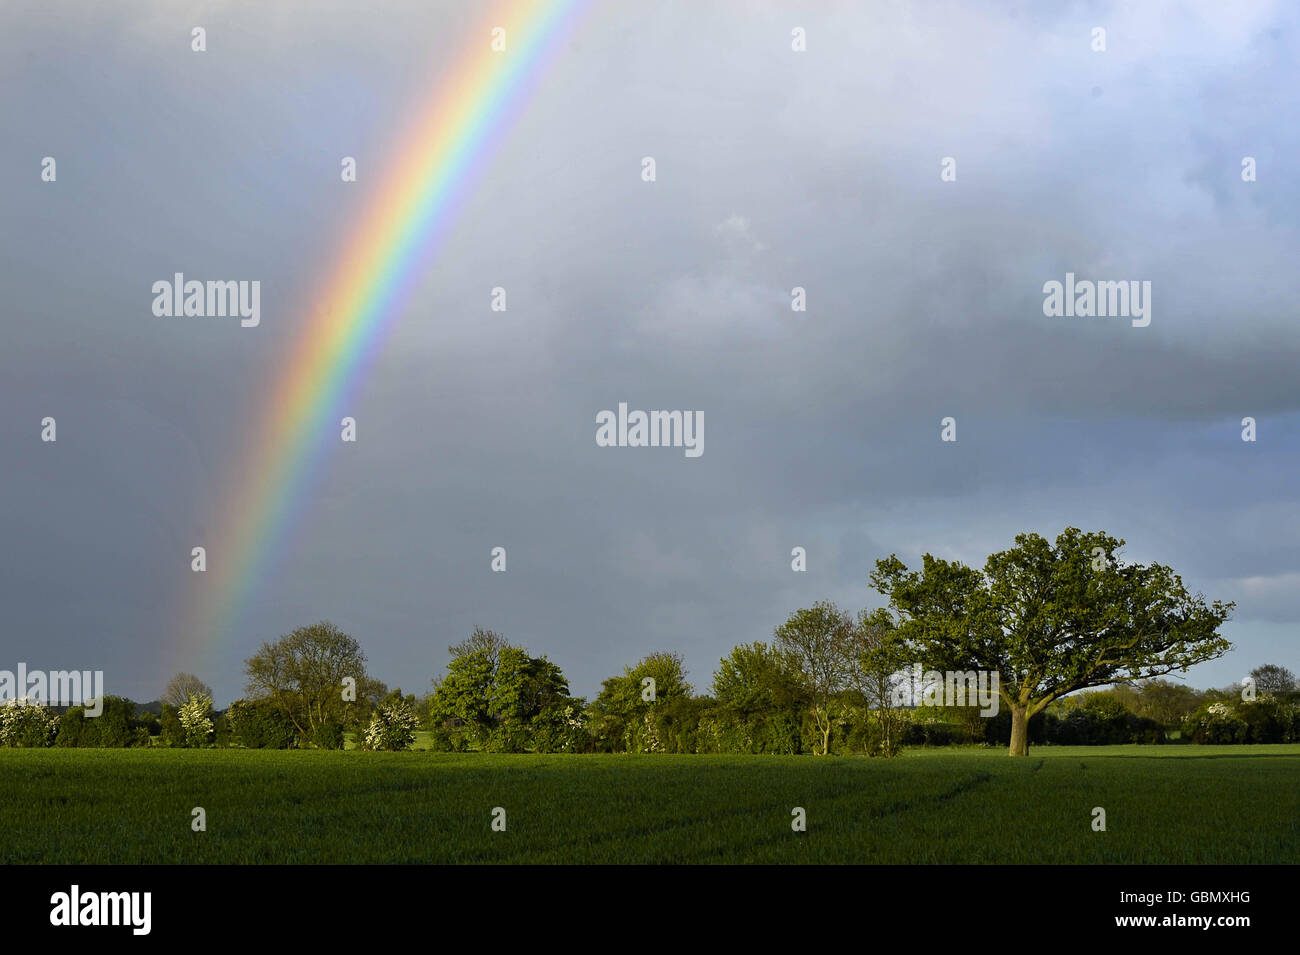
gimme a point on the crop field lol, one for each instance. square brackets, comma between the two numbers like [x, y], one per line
[1171, 804]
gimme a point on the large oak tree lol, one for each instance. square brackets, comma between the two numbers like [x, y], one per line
[1052, 619]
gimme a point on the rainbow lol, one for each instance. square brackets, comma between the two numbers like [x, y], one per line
[444, 149]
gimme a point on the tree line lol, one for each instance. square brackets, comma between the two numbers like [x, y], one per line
[1079, 639]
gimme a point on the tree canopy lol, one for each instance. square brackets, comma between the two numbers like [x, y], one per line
[502, 698]
[303, 674]
[1053, 618]
[183, 686]
[817, 639]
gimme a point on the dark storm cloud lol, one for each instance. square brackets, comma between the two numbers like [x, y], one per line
[775, 170]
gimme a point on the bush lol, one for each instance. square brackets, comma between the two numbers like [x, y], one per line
[392, 727]
[147, 722]
[26, 723]
[1080, 727]
[1143, 729]
[329, 735]
[1218, 723]
[446, 739]
[222, 736]
[259, 724]
[874, 737]
[723, 728]
[170, 733]
[561, 727]
[928, 733]
[196, 721]
[117, 726]
[1268, 719]
[673, 724]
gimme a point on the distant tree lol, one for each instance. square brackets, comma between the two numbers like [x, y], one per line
[488, 642]
[303, 673]
[183, 686]
[370, 693]
[170, 732]
[116, 725]
[1273, 679]
[523, 688]
[755, 678]
[1052, 619]
[463, 697]
[371, 690]
[496, 693]
[624, 704]
[1166, 702]
[877, 654]
[1128, 694]
[819, 639]
[760, 698]
[667, 669]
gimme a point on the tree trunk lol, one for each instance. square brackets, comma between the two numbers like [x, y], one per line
[1019, 731]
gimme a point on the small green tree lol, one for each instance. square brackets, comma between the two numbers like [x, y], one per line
[877, 654]
[499, 696]
[521, 690]
[462, 701]
[622, 712]
[760, 697]
[818, 639]
[170, 732]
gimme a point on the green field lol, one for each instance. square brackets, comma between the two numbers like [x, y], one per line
[1171, 804]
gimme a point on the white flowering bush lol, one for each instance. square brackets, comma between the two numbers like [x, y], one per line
[561, 727]
[1217, 723]
[392, 727]
[196, 723]
[650, 736]
[25, 722]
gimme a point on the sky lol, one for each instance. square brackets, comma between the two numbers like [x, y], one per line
[775, 168]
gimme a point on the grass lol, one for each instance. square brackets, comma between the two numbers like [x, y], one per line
[1170, 804]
